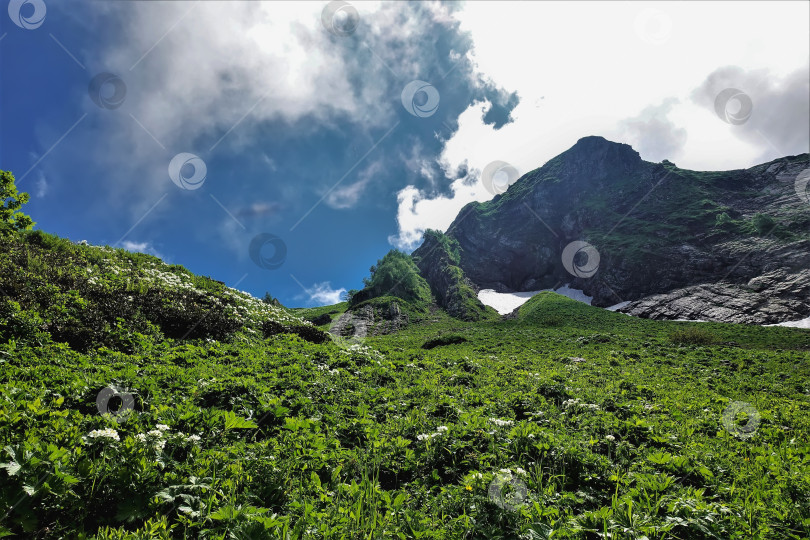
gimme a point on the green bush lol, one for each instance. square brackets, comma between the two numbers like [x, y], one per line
[10, 203]
[396, 275]
[762, 223]
[692, 335]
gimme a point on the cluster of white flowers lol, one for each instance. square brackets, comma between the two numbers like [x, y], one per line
[364, 350]
[501, 423]
[610, 438]
[324, 367]
[246, 308]
[579, 403]
[412, 365]
[428, 436]
[106, 433]
[157, 437]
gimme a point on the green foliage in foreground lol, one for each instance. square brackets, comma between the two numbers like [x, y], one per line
[568, 422]
[10, 203]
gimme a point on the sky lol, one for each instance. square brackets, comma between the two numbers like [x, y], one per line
[285, 147]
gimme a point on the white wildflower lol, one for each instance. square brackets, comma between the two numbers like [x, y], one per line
[441, 428]
[611, 438]
[106, 433]
[162, 427]
[501, 423]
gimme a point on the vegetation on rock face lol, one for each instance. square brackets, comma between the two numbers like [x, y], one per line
[138, 400]
[438, 258]
[394, 275]
[593, 193]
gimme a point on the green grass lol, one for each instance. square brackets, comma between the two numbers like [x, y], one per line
[613, 428]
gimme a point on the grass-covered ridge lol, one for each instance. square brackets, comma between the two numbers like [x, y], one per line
[90, 296]
[247, 426]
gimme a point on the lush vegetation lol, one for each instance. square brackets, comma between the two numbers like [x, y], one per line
[142, 401]
[10, 203]
[395, 275]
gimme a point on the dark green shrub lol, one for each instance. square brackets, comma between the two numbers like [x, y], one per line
[452, 339]
[692, 335]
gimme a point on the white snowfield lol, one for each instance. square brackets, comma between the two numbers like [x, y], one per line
[803, 323]
[507, 302]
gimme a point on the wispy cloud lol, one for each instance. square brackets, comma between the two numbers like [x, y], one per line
[322, 294]
[41, 186]
[141, 247]
[348, 196]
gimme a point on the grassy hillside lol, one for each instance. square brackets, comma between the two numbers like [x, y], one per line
[230, 418]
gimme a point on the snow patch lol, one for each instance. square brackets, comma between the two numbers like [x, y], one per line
[507, 302]
[620, 305]
[803, 323]
[504, 302]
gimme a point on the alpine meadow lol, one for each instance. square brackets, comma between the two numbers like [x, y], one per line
[404, 270]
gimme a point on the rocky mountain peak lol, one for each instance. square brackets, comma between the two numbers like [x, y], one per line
[598, 157]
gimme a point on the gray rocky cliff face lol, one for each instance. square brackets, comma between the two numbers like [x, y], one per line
[675, 243]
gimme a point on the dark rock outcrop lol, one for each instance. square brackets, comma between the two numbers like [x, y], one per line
[724, 246]
[437, 259]
[369, 320]
[319, 320]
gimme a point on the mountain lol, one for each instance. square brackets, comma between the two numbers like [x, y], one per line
[730, 246]
[139, 400]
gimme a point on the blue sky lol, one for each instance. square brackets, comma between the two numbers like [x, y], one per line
[304, 127]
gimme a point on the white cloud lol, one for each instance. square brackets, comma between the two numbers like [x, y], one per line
[141, 247]
[344, 197]
[589, 69]
[322, 294]
[418, 212]
[211, 68]
[41, 186]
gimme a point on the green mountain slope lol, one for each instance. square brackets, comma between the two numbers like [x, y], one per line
[728, 246]
[142, 401]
